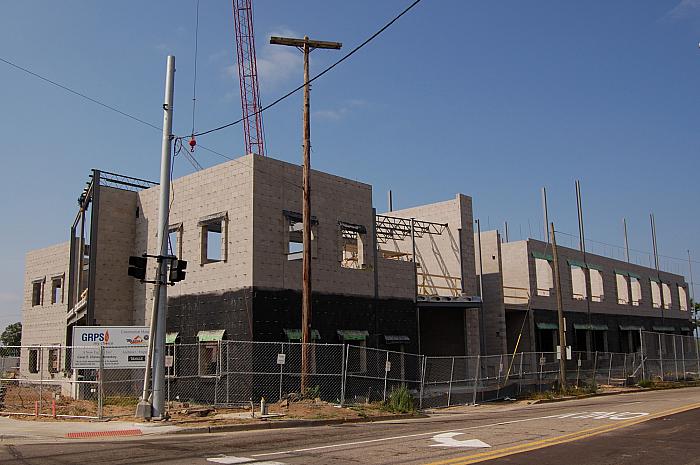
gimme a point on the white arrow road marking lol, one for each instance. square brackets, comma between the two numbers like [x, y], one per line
[448, 440]
[229, 459]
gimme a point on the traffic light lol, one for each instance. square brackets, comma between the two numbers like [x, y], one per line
[137, 267]
[177, 270]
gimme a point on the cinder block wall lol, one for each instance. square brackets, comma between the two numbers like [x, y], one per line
[493, 303]
[116, 231]
[609, 303]
[226, 188]
[277, 187]
[44, 324]
[440, 254]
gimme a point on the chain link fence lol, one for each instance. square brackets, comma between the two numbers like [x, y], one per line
[41, 380]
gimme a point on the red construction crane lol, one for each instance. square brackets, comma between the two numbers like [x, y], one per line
[248, 77]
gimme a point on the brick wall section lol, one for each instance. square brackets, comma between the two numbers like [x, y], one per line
[116, 231]
[228, 188]
[493, 303]
[440, 254]
[44, 324]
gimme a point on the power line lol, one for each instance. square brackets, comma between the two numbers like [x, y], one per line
[79, 94]
[292, 92]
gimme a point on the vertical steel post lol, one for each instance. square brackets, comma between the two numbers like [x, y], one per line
[661, 358]
[578, 369]
[100, 384]
[546, 214]
[386, 373]
[344, 382]
[675, 356]
[683, 356]
[155, 360]
[282, 367]
[476, 377]
[41, 377]
[520, 373]
[422, 381]
[560, 312]
[595, 368]
[641, 352]
[627, 247]
[610, 367]
[449, 389]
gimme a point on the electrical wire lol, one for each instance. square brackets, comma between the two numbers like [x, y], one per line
[297, 89]
[79, 94]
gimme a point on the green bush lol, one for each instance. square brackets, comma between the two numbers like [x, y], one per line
[400, 401]
[311, 393]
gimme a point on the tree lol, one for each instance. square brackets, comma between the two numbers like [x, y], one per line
[12, 336]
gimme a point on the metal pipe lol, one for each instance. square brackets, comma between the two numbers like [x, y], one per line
[545, 213]
[627, 247]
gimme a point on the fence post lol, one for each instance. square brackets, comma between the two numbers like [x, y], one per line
[41, 379]
[422, 382]
[624, 369]
[578, 369]
[476, 376]
[498, 379]
[595, 368]
[520, 374]
[683, 356]
[539, 383]
[661, 358]
[386, 373]
[641, 352]
[282, 368]
[100, 375]
[344, 375]
[610, 367]
[449, 389]
[675, 356]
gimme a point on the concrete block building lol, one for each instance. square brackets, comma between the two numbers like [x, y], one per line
[606, 301]
[410, 280]
[394, 280]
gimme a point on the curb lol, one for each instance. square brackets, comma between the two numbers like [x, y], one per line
[586, 396]
[283, 424]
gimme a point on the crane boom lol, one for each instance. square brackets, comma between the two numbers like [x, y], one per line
[248, 77]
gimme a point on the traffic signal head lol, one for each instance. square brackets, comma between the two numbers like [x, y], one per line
[137, 267]
[177, 270]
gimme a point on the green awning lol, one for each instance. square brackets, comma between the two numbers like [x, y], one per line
[170, 338]
[591, 327]
[634, 275]
[656, 280]
[212, 335]
[593, 266]
[685, 328]
[547, 325]
[622, 272]
[295, 334]
[664, 328]
[352, 335]
[576, 263]
[631, 328]
[542, 256]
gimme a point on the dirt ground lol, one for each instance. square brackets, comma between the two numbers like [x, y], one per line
[21, 399]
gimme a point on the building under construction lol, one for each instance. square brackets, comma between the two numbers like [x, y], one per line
[408, 280]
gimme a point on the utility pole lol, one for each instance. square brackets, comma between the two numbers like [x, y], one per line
[560, 312]
[627, 247]
[156, 345]
[306, 45]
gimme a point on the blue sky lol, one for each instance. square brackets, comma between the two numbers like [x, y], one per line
[492, 99]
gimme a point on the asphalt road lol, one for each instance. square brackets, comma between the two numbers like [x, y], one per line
[641, 428]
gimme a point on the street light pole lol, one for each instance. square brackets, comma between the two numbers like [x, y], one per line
[306, 45]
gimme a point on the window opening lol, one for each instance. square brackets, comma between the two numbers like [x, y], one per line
[578, 283]
[597, 294]
[353, 240]
[655, 294]
[37, 288]
[622, 289]
[33, 360]
[57, 290]
[682, 299]
[544, 277]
